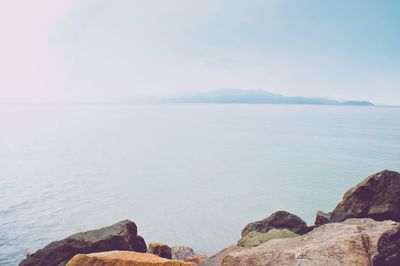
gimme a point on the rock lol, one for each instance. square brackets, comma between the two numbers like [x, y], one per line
[195, 260]
[310, 228]
[181, 252]
[216, 260]
[278, 220]
[159, 249]
[353, 242]
[122, 258]
[254, 239]
[388, 249]
[120, 236]
[377, 197]
[322, 218]
[140, 244]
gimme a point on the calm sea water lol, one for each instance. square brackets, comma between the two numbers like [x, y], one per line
[186, 174]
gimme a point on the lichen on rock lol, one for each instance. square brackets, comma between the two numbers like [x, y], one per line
[254, 238]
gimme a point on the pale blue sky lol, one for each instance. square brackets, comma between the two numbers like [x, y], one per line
[105, 50]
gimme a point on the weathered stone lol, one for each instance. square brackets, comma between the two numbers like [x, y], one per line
[254, 239]
[181, 252]
[353, 242]
[122, 258]
[322, 218]
[388, 249]
[160, 249]
[278, 220]
[140, 244]
[120, 236]
[195, 260]
[216, 260]
[377, 197]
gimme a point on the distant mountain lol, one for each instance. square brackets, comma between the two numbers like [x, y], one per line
[254, 97]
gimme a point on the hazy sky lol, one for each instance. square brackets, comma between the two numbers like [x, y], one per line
[103, 50]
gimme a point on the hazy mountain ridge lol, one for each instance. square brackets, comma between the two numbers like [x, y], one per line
[254, 97]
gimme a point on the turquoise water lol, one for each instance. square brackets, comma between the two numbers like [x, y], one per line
[186, 174]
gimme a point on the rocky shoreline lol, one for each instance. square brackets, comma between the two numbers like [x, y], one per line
[363, 229]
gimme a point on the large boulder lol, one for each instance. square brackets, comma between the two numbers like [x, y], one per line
[254, 239]
[122, 258]
[119, 236]
[353, 242]
[278, 220]
[181, 252]
[388, 249]
[160, 249]
[377, 197]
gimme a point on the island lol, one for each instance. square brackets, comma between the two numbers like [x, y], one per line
[252, 96]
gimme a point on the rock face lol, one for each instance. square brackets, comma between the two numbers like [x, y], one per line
[159, 249]
[181, 252]
[377, 197]
[120, 236]
[122, 258]
[278, 220]
[388, 249]
[254, 239]
[353, 242]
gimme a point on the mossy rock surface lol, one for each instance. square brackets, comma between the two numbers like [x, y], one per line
[254, 238]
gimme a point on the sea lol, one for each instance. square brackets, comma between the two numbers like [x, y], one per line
[187, 174]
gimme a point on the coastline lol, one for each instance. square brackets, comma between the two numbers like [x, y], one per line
[368, 213]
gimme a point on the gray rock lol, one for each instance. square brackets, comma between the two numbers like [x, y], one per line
[278, 220]
[119, 236]
[377, 197]
[181, 252]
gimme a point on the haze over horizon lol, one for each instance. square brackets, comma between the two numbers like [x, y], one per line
[72, 50]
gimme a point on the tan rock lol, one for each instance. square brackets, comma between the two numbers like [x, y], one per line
[353, 242]
[195, 260]
[122, 258]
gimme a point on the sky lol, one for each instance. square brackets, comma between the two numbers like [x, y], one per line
[106, 50]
